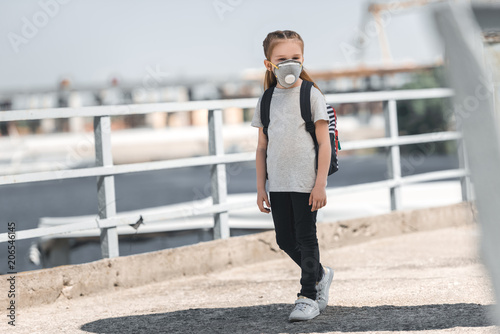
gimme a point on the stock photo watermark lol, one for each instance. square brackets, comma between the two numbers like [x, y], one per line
[31, 26]
[222, 7]
[371, 30]
[154, 78]
[11, 271]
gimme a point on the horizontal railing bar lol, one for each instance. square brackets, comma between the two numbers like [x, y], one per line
[126, 220]
[124, 109]
[125, 168]
[361, 187]
[401, 140]
[431, 176]
[144, 229]
[130, 109]
[210, 160]
[398, 95]
[53, 230]
[411, 179]
[163, 227]
[190, 211]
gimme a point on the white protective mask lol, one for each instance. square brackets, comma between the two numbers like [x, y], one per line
[287, 72]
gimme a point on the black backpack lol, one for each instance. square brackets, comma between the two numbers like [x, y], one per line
[305, 110]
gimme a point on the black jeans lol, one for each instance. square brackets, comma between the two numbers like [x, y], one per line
[295, 227]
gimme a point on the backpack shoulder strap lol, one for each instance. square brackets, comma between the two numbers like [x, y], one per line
[305, 104]
[305, 111]
[305, 107]
[265, 106]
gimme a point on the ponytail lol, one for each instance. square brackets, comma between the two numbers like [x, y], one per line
[305, 76]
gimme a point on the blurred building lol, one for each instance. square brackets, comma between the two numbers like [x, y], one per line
[361, 78]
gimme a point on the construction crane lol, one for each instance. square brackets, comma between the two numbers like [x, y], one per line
[375, 10]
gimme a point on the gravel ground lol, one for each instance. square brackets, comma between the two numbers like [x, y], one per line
[425, 282]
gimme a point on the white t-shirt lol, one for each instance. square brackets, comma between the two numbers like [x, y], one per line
[290, 162]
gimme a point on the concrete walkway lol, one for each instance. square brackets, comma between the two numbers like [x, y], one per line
[425, 282]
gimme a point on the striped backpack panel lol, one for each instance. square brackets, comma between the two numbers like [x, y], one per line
[334, 134]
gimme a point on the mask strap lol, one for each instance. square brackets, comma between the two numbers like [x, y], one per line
[273, 71]
[273, 65]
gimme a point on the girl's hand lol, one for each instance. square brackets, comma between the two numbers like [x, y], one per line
[261, 198]
[317, 198]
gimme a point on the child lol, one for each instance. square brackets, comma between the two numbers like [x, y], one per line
[287, 156]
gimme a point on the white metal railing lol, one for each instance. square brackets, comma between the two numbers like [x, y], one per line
[105, 170]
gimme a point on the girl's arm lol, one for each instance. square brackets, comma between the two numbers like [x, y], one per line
[260, 164]
[318, 195]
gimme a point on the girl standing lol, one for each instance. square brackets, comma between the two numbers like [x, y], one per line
[286, 156]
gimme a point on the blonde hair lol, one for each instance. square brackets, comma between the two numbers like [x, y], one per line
[272, 39]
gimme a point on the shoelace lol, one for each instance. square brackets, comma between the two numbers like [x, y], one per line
[320, 287]
[301, 306]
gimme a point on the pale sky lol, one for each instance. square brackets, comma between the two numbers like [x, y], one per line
[89, 41]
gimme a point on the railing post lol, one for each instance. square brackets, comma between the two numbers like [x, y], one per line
[393, 154]
[106, 201]
[218, 173]
[465, 181]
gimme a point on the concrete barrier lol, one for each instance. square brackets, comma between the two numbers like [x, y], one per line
[71, 281]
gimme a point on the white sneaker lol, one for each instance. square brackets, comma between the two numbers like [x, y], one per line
[323, 288]
[305, 309]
